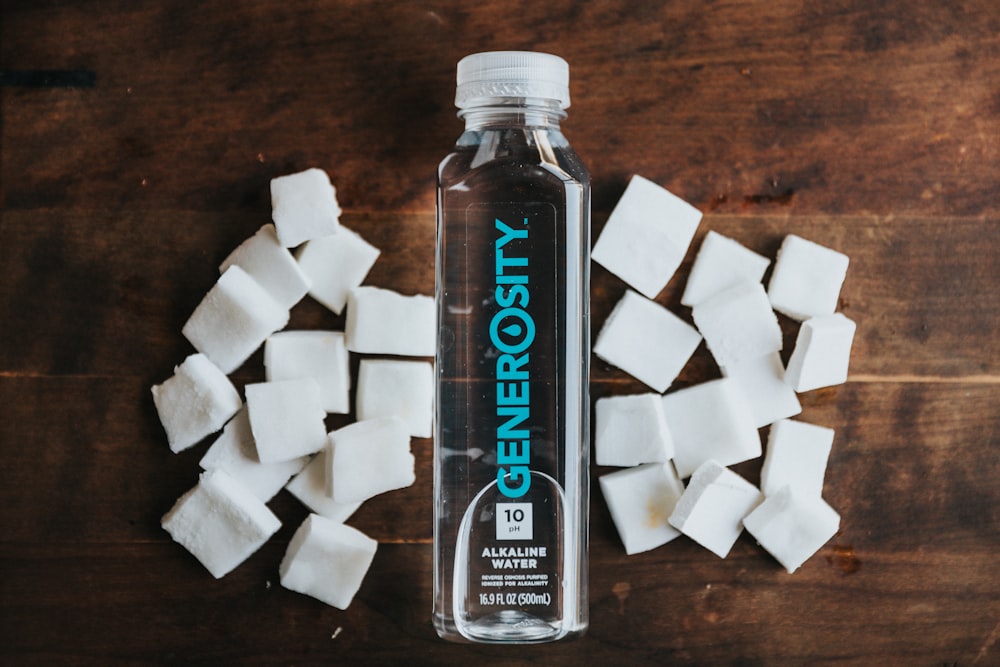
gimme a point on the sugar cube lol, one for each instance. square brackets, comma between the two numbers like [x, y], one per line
[711, 420]
[797, 453]
[630, 430]
[321, 355]
[380, 321]
[336, 264]
[713, 505]
[367, 458]
[271, 265]
[721, 263]
[738, 324]
[807, 279]
[233, 319]
[762, 380]
[304, 206]
[403, 389]
[640, 500]
[646, 236]
[220, 522]
[309, 486]
[327, 560]
[792, 527]
[646, 340]
[234, 452]
[287, 419]
[822, 353]
[195, 401]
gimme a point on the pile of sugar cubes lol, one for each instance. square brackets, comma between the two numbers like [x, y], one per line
[695, 433]
[275, 436]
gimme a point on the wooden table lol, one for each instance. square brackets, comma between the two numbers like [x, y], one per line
[138, 141]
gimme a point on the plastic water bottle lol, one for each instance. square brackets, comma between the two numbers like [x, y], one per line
[512, 410]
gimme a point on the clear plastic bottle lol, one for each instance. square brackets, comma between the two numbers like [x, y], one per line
[511, 452]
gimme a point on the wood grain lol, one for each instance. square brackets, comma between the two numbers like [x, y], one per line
[730, 104]
[930, 310]
[871, 127]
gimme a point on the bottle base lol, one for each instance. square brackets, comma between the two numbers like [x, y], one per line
[506, 627]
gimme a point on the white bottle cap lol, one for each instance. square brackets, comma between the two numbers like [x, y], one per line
[522, 74]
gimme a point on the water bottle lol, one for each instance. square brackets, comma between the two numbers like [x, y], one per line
[511, 440]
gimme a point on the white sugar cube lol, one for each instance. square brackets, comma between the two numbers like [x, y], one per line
[797, 453]
[233, 319]
[309, 486]
[327, 560]
[220, 522]
[304, 206]
[630, 430]
[646, 236]
[711, 420]
[721, 263]
[194, 402]
[404, 389]
[336, 264]
[762, 380]
[234, 453]
[640, 500]
[792, 527]
[271, 265]
[712, 508]
[807, 279]
[320, 355]
[287, 419]
[738, 324]
[822, 353]
[646, 340]
[367, 458]
[380, 321]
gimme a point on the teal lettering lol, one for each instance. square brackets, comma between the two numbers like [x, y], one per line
[518, 415]
[508, 233]
[519, 327]
[510, 367]
[513, 451]
[512, 332]
[517, 473]
[518, 294]
[512, 393]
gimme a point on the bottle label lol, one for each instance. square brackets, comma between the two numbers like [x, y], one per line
[515, 536]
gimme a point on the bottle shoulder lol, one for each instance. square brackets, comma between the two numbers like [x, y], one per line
[519, 152]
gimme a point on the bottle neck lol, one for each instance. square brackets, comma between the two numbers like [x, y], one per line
[512, 112]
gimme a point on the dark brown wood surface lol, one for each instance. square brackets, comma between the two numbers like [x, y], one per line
[138, 140]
